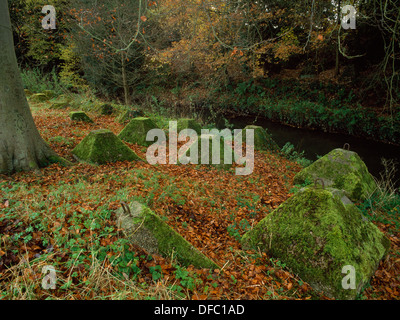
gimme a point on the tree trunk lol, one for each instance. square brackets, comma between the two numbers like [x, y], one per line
[21, 146]
[124, 79]
[337, 46]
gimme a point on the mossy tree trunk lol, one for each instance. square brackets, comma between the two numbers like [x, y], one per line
[21, 146]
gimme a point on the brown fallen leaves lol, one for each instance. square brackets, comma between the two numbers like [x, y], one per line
[210, 208]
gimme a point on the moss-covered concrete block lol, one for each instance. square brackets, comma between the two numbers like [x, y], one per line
[39, 97]
[80, 116]
[62, 102]
[49, 94]
[188, 124]
[262, 139]
[316, 233]
[128, 115]
[341, 169]
[147, 230]
[59, 105]
[102, 146]
[136, 131]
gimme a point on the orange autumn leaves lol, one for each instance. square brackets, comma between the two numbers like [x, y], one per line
[201, 203]
[236, 51]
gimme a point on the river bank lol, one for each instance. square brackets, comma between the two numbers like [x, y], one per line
[315, 143]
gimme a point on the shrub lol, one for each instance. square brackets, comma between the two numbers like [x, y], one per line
[37, 81]
[386, 197]
[70, 69]
[289, 151]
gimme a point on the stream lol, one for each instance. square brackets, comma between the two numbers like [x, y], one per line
[316, 143]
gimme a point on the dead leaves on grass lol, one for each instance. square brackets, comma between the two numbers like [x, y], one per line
[211, 208]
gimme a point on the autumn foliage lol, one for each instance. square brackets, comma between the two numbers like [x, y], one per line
[218, 58]
[65, 217]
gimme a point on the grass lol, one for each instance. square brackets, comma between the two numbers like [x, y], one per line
[383, 206]
[36, 81]
[289, 151]
[69, 237]
[387, 193]
[64, 217]
[85, 242]
[315, 105]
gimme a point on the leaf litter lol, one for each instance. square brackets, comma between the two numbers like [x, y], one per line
[64, 216]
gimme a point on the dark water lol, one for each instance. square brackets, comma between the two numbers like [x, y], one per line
[316, 143]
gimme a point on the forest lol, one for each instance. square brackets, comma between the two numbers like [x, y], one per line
[199, 150]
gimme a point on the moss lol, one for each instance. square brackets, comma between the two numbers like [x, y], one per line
[39, 97]
[316, 233]
[54, 159]
[188, 124]
[49, 94]
[59, 105]
[341, 169]
[136, 131]
[102, 146]
[32, 164]
[149, 231]
[262, 139]
[60, 160]
[79, 116]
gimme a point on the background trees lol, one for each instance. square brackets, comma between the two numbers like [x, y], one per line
[109, 42]
[222, 53]
[21, 146]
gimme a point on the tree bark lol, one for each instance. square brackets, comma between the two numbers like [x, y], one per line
[337, 70]
[124, 79]
[21, 146]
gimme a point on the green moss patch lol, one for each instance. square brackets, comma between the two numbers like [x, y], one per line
[102, 146]
[316, 233]
[341, 169]
[80, 116]
[136, 131]
[62, 102]
[188, 124]
[49, 94]
[39, 97]
[59, 105]
[147, 230]
[262, 139]
[28, 93]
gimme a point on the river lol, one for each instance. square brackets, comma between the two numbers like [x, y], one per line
[316, 143]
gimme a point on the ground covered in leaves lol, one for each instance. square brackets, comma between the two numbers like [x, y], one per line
[65, 217]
